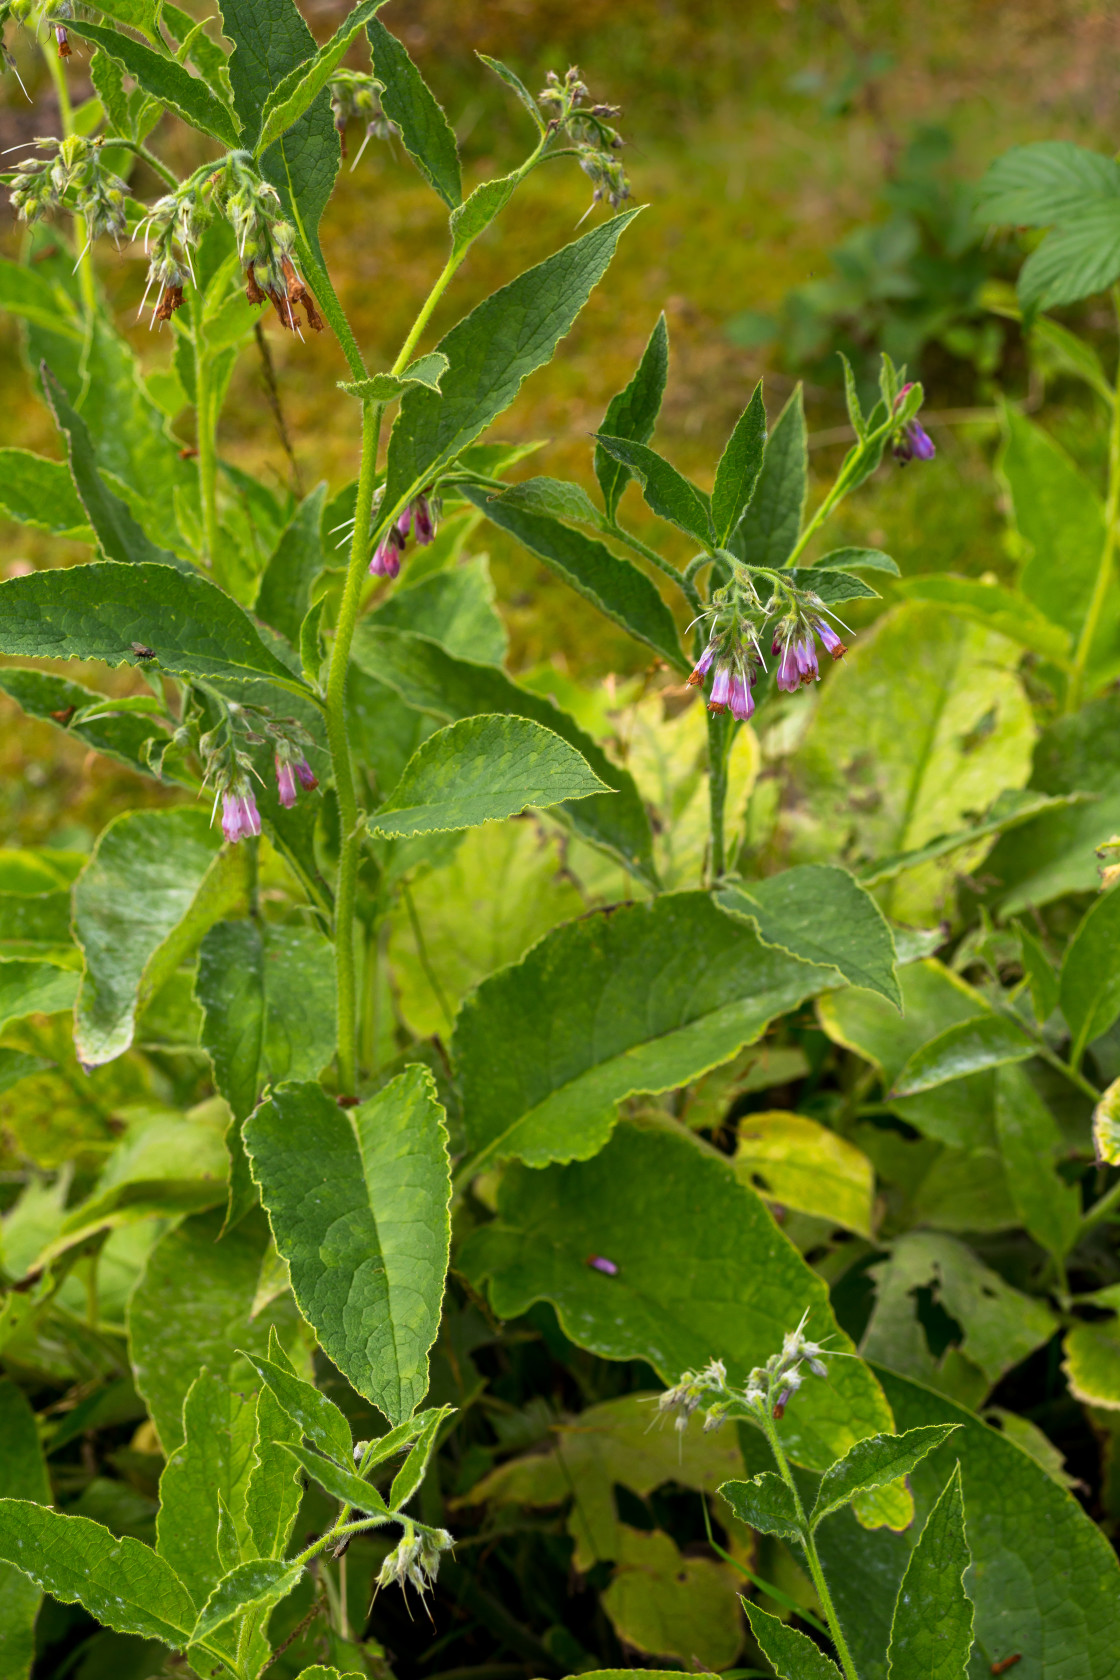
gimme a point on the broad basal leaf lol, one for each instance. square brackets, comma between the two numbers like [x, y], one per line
[819, 913]
[100, 611]
[490, 353]
[611, 583]
[633, 414]
[367, 1251]
[1004, 610]
[644, 999]
[931, 1634]
[482, 769]
[739, 467]
[156, 881]
[666, 1604]
[700, 1267]
[166, 80]
[407, 100]
[668, 492]
[769, 530]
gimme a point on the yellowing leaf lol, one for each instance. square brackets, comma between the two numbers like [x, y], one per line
[793, 1160]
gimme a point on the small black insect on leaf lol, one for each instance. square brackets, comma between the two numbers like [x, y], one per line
[143, 652]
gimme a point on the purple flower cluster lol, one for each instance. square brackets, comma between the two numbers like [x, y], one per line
[386, 560]
[795, 649]
[240, 818]
[912, 442]
[288, 768]
[731, 686]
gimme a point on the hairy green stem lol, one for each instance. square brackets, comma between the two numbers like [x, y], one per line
[141, 151]
[206, 427]
[349, 840]
[1084, 647]
[682, 581]
[86, 281]
[809, 1546]
[1102, 1208]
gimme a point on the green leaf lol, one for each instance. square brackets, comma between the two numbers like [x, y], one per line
[120, 1582]
[455, 608]
[98, 611]
[169, 82]
[1003, 610]
[58, 701]
[1106, 1125]
[1092, 1359]
[514, 81]
[32, 988]
[555, 497]
[931, 1634]
[644, 999]
[318, 1672]
[701, 1265]
[479, 209]
[873, 1463]
[260, 1584]
[290, 98]
[341, 1484]
[988, 1041]
[430, 679]
[768, 531]
[1073, 262]
[268, 996]
[490, 353]
[368, 1252]
[801, 1164]
[633, 414]
[39, 492]
[856, 560]
[739, 468]
[386, 387]
[36, 298]
[156, 881]
[483, 769]
[1009, 810]
[665, 1604]
[765, 1504]
[819, 913]
[1040, 972]
[667, 492]
[411, 1472]
[318, 1418]
[284, 596]
[118, 534]
[1029, 1140]
[210, 1468]
[792, 1655]
[193, 1307]
[1045, 182]
[275, 1491]
[832, 587]
[23, 1475]
[1089, 988]
[613, 584]
[407, 100]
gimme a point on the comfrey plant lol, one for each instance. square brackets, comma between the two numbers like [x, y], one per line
[366, 1153]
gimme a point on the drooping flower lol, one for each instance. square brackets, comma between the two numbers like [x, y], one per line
[386, 560]
[415, 1560]
[830, 640]
[240, 817]
[285, 782]
[704, 663]
[911, 442]
[291, 765]
[418, 518]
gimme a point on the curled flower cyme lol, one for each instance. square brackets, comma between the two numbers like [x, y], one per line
[414, 1561]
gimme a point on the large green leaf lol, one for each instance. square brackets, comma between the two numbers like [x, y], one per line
[633, 414]
[967, 1047]
[455, 608]
[490, 353]
[798, 1163]
[430, 679]
[1074, 261]
[668, 492]
[23, 1475]
[931, 1634]
[702, 1272]
[767, 533]
[209, 1470]
[39, 492]
[290, 98]
[100, 611]
[644, 999]
[739, 468]
[156, 881]
[791, 1654]
[1045, 182]
[34, 988]
[1090, 980]
[368, 1250]
[924, 722]
[611, 583]
[666, 1604]
[194, 1306]
[121, 1582]
[406, 99]
[483, 769]
[1004, 610]
[819, 913]
[284, 596]
[166, 80]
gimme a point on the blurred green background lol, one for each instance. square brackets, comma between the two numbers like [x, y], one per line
[806, 169]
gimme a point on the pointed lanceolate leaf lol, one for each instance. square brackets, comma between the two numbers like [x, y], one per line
[873, 1463]
[643, 999]
[764, 1503]
[340, 1483]
[358, 1201]
[406, 99]
[411, 1472]
[791, 1654]
[739, 467]
[290, 98]
[122, 1583]
[633, 414]
[668, 492]
[318, 1418]
[100, 611]
[480, 770]
[490, 353]
[766, 534]
[275, 1491]
[512, 80]
[613, 584]
[556, 497]
[260, 1583]
[1090, 981]
[166, 80]
[818, 912]
[931, 1634]
[1029, 1144]
[856, 560]
[986, 1041]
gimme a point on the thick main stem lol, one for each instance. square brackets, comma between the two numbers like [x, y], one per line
[349, 839]
[1108, 547]
[809, 1546]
